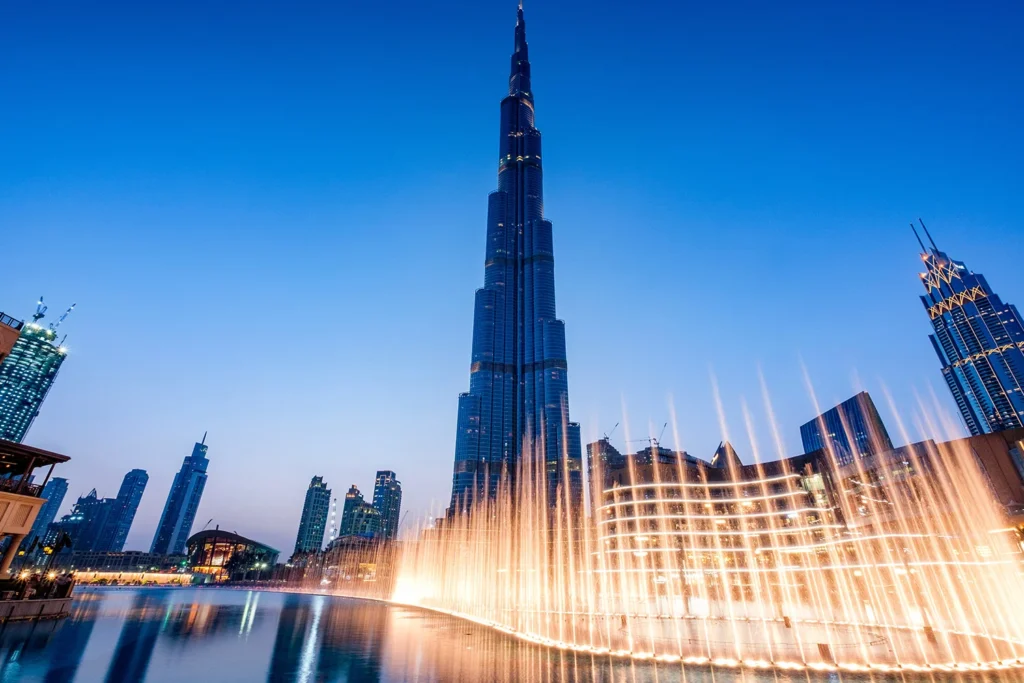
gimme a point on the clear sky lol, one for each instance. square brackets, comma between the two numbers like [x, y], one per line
[272, 218]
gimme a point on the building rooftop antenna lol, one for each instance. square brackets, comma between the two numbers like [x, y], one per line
[56, 324]
[924, 250]
[40, 310]
[927, 233]
[203, 442]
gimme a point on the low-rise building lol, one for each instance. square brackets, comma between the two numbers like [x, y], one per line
[216, 555]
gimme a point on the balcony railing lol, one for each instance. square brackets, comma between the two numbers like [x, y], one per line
[19, 487]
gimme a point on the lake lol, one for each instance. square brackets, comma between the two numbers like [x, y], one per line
[211, 634]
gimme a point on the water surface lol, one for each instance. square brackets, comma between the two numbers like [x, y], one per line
[203, 634]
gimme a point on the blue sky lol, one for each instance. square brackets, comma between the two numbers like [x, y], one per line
[272, 219]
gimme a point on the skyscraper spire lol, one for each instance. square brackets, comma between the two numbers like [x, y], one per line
[519, 80]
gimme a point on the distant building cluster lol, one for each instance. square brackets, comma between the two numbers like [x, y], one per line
[377, 520]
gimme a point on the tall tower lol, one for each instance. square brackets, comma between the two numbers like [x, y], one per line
[182, 503]
[979, 341]
[125, 506]
[27, 374]
[314, 517]
[517, 406]
[387, 498]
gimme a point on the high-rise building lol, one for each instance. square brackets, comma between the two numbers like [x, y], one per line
[851, 429]
[101, 524]
[54, 493]
[27, 374]
[123, 513]
[353, 501]
[359, 518]
[979, 341]
[314, 517]
[182, 503]
[517, 406]
[387, 498]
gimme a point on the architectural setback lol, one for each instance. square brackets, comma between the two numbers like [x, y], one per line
[517, 406]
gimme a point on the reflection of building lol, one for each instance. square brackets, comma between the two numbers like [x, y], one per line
[221, 555]
[387, 499]
[54, 493]
[314, 517]
[182, 503]
[850, 429]
[19, 499]
[25, 378]
[518, 398]
[138, 638]
[102, 524]
[979, 341]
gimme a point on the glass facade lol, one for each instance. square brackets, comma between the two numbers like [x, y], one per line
[979, 341]
[314, 517]
[359, 518]
[517, 405]
[54, 493]
[852, 428]
[102, 524]
[387, 498]
[26, 376]
[182, 503]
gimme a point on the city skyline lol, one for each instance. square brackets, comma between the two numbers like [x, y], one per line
[637, 333]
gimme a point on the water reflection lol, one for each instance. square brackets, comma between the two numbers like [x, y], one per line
[214, 634]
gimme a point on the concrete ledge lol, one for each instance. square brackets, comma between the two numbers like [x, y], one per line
[20, 610]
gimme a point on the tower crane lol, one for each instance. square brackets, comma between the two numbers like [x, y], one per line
[40, 310]
[55, 325]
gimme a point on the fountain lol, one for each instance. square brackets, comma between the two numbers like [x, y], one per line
[892, 563]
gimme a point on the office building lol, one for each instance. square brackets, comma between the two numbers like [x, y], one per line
[852, 428]
[27, 374]
[314, 517]
[53, 493]
[517, 406]
[387, 499]
[102, 524]
[182, 503]
[359, 518]
[125, 506]
[979, 341]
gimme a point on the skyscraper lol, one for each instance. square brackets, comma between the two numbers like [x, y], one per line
[314, 517]
[517, 406]
[101, 524]
[125, 506]
[182, 503]
[387, 498]
[855, 418]
[27, 374]
[979, 341]
[353, 501]
[54, 493]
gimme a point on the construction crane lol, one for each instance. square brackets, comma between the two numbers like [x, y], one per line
[40, 310]
[55, 325]
[607, 435]
[650, 439]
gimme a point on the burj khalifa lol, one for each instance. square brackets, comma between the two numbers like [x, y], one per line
[517, 406]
